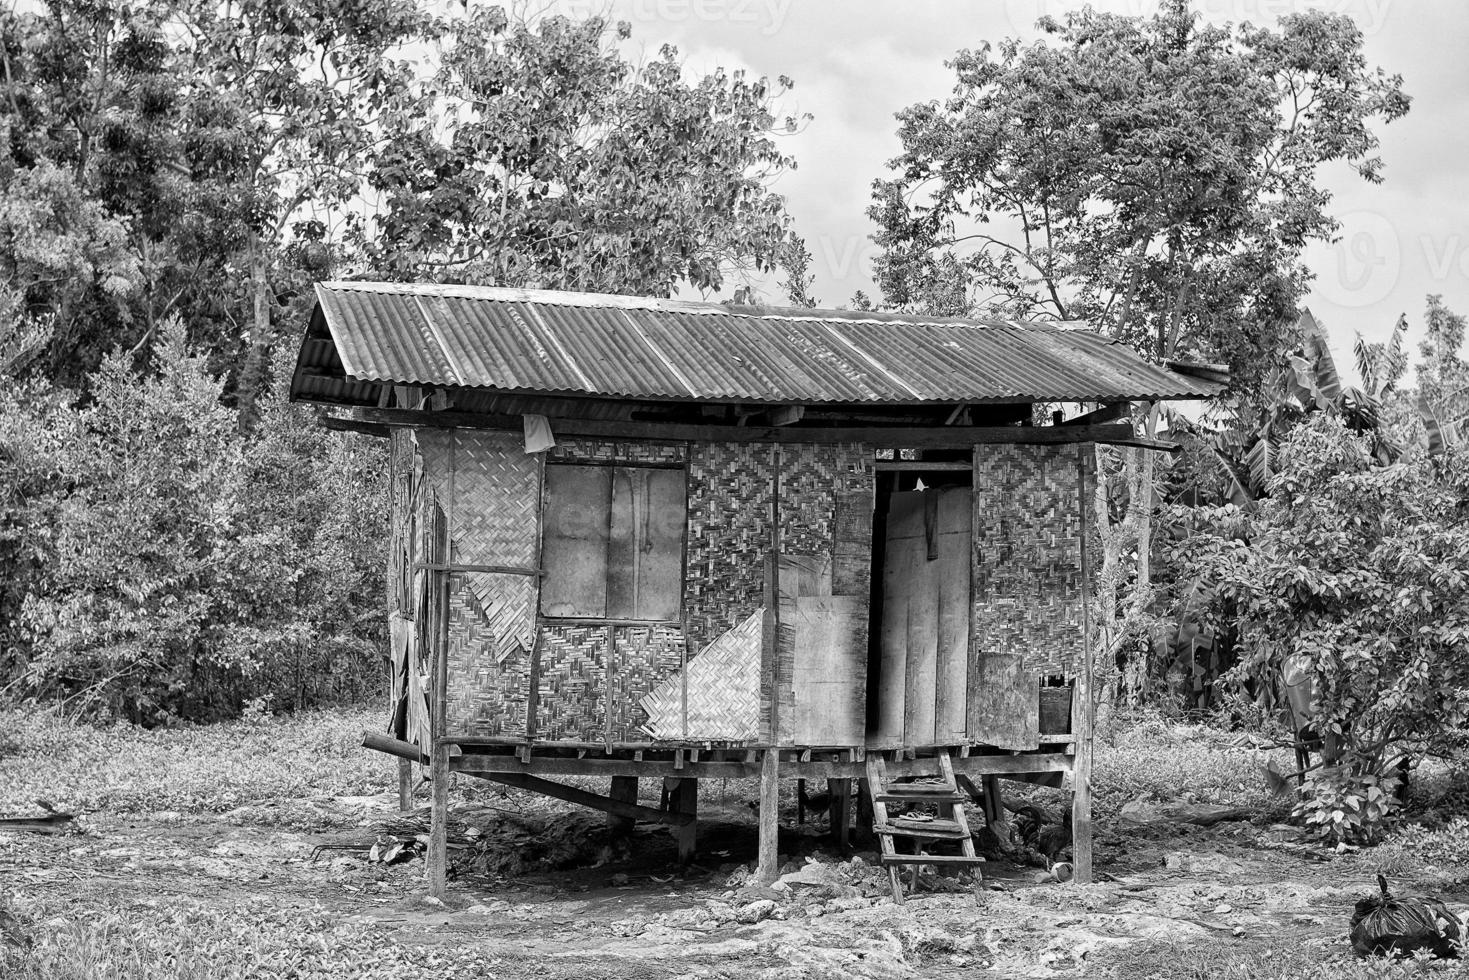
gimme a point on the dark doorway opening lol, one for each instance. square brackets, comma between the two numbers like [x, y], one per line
[920, 580]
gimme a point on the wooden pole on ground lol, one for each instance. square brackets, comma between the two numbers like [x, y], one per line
[1081, 774]
[624, 790]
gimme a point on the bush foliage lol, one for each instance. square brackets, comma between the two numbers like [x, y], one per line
[1359, 569]
[171, 566]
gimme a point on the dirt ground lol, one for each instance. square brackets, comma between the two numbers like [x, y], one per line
[543, 890]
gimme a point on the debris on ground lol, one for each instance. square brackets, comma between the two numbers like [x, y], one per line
[49, 821]
[1142, 812]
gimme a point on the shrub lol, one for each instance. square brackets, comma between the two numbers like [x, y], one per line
[177, 567]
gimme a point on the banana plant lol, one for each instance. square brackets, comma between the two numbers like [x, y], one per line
[1310, 382]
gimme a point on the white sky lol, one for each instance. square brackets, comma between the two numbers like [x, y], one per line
[857, 62]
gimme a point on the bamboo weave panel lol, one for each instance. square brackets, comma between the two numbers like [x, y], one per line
[728, 538]
[618, 450]
[489, 670]
[571, 687]
[646, 657]
[494, 519]
[723, 691]
[1027, 555]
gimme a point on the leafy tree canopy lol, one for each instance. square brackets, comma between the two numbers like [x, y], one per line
[544, 158]
[1154, 177]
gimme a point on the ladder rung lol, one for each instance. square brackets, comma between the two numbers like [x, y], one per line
[895, 794]
[929, 859]
[922, 787]
[945, 829]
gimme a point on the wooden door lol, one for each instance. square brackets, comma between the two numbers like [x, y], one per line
[923, 672]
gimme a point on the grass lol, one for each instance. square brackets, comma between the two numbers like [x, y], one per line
[1196, 959]
[125, 769]
[196, 944]
[1149, 756]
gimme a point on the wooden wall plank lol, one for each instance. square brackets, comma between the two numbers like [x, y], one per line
[923, 647]
[800, 575]
[830, 670]
[953, 570]
[575, 540]
[1004, 702]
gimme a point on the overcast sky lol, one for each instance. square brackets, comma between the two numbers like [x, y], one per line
[857, 62]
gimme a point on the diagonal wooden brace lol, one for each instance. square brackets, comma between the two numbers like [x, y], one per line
[581, 797]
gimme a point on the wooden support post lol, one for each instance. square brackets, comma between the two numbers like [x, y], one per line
[994, 803]
[437, 858]
[624, 789]
[405, 785]
[840, 791]
[686, 801]
[865, 816]
[1083, 710]
[770, 815]
[438, 829]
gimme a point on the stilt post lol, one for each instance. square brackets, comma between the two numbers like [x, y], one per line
[686, 800]
[1084, 714]
[625, 789]
[770, 814]
[840, 792]
[405, 785]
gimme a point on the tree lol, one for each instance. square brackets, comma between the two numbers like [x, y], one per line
[180, 148]
[1443, 378]
[1153, 177]
[549, 161]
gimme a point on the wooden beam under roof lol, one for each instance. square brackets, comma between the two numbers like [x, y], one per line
[918, 437]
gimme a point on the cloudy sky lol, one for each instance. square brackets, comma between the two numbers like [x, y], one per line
[857, 62]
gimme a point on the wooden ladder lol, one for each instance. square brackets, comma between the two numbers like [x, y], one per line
[952, 823]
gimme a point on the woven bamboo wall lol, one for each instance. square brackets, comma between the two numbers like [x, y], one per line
[488, 489]
[617, 451]
[514, 674]
[1027, 555]
[729, 536]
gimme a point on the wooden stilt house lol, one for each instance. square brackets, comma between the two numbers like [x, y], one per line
[643, 538]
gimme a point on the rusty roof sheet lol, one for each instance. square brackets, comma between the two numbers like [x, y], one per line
[542, 342]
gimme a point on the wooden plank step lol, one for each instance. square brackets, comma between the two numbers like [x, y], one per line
[938, 829]
[929, 859]
[930, 788]
[896, 795]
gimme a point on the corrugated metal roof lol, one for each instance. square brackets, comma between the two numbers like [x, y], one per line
[532, 341]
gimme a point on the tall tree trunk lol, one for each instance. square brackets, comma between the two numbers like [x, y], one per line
[257, 349]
